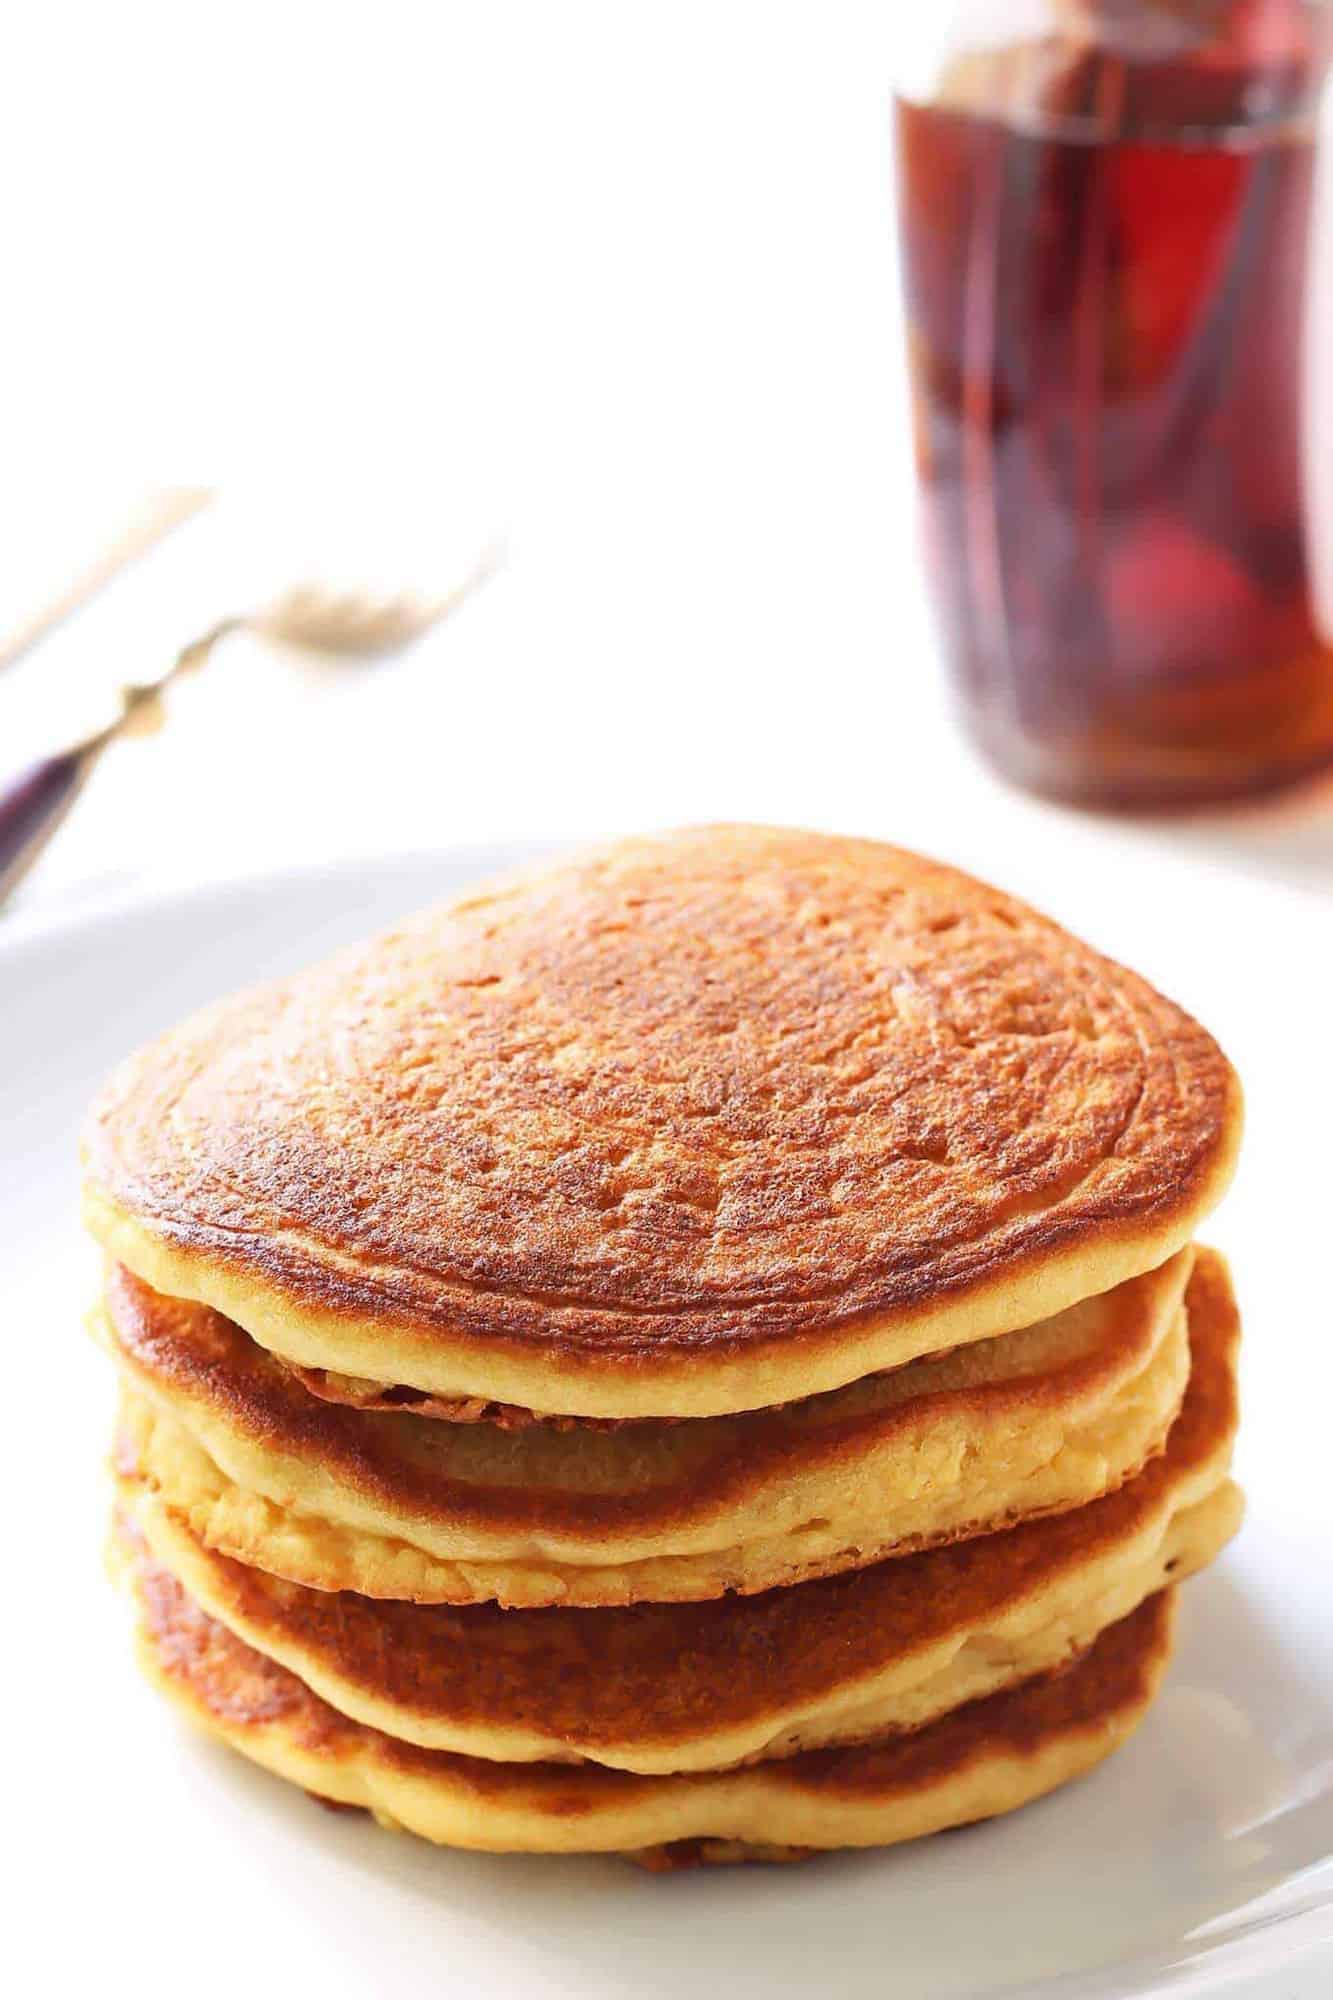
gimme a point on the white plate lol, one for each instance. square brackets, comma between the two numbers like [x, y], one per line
[1197, 1860]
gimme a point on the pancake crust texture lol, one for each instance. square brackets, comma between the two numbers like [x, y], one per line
[690, 1125]
[984, 1759]
[397, 1506]
[661, 1688]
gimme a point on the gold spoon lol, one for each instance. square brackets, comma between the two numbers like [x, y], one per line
[331, 624]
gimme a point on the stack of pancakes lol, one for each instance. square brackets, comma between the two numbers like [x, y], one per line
[695, 1352]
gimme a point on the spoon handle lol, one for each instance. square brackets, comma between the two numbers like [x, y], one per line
[36, 798]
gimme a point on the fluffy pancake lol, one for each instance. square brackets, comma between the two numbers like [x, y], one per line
[397, 1506]
[984, 1759]
[690, 1125]
[356, 1393]
[662, 1688]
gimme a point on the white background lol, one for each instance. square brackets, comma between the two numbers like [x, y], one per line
[616, 280]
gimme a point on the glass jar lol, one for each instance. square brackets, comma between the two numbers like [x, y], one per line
[1117, 247]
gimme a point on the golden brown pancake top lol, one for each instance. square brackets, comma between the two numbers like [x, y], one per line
[666, 1672]
[720, 1100]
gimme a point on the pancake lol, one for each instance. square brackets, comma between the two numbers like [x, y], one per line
[356, 1393]
[984, 1759]
[690, 1125]
[688, 1687]
[397, 1506]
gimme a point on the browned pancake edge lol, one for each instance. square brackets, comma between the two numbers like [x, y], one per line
[195, 1359]
[736, 1112]
[668, 1673]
